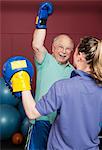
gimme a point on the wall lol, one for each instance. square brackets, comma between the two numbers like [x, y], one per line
[74, 17]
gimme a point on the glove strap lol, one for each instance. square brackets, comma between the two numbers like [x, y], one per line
[40, 23]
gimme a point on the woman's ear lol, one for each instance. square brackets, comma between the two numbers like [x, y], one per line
[81, 56]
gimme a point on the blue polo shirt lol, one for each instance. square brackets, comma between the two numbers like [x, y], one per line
[78, 102]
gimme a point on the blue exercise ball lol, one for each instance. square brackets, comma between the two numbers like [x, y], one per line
[25, 126]
[100, 124]
[21, 110]
[6, 96]
[10, 121]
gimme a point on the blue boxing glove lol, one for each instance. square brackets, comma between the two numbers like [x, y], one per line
[18, 72]
[46, 9]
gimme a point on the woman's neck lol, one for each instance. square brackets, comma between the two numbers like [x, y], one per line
[85, 68]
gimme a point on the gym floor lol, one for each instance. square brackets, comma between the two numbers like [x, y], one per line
[7, 145]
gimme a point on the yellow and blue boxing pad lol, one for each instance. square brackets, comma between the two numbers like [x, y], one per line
[18, 72]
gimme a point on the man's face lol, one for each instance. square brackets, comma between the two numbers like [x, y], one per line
[62, 49]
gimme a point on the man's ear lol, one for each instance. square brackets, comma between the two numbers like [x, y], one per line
[53, 48]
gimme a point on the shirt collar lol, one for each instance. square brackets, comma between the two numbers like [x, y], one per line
[65, 65]
[81, 73]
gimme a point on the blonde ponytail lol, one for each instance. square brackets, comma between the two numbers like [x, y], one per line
[92, 48]
[97, 64]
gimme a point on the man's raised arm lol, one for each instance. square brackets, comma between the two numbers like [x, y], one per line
[46, 9]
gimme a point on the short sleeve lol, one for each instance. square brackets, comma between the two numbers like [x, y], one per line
[50, 102]
[45, 60]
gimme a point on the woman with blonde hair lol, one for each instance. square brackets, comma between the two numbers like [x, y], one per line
[78, 101]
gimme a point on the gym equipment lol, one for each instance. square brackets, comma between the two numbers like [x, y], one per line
[21, 110]
[17, 138]
[6, 96]
[15, 65]
[46, 9]
[10, 121]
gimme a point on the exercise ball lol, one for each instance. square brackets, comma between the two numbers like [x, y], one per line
[17, 138]
[100, 124]
[21, 110]
[10, 121]
[25, 126]
[6, 96]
